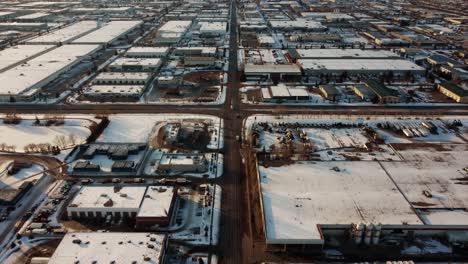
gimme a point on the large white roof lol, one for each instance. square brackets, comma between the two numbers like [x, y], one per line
[37, 70]
[344, 53]
[175, 26]
[364, 64]
[109, 32]
[128, 197]
[16, 54]
[157, 202]
[67, 33]
[108, 247]
[297, 198]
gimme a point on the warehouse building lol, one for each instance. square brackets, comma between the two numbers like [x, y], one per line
[147, 52]
[16, 55]
[453, 92]
[26, 80]
[182, 162]
[66, 34]
[114, 92]
[110, 247]
[147, 205]
[384, 94]
[282, 93]
[212, 29]
[122, 78]
[272, 71]
[172, 31]
[135, 64]
[330, 92]
[362, 66]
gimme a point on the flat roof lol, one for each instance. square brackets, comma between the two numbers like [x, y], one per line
[33, 16]
[272, 68]
[356, 65]
[12, 55]
[297, 198]
[109, 32]
[89, 197]
[123, 76]
[156, 202]
[300, 23]
[434, 171]
[113, 89]
[108, 247]
[344, 53]
[146, 50]
[212, 26]
[136, 62]
[67, 33]
[279, 90]
[37, 70]
[175, 26]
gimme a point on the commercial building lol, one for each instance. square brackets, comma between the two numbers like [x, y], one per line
[147, 205]
[135, 64]
[299, 24]
[272, 71]
[25, 81]
[281, 92]
[363, 66]
[122, 78]
[114, 92]
[453, 92]
[31, 26]
[363, 92]
[172, 31]
[181, 162]
[341, 54]
[212, 28]
[98, 247]
[147, 52]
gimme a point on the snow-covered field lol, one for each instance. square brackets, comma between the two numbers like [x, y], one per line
[138, 128]
[26, 133]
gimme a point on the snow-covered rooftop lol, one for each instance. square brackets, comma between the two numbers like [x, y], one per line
[67, 33]
[156, 202]
[128, 197]
[300, 197]
[16, 54]
[109, 247]
[109, 32]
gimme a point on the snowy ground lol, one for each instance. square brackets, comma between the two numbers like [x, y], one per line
[15, 180]
[138, 128]
[201, 222]
[26, 133]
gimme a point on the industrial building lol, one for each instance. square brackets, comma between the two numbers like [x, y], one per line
[282, 93]
[183, 162]
[147, 52]
[399, 67]
[114, 92]
[97, 247]
[26, 80]
[122, 78]
[135, 64]
[67, 34]
[109, 32]
[172, 31]
[453, 92]
[147, 205]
